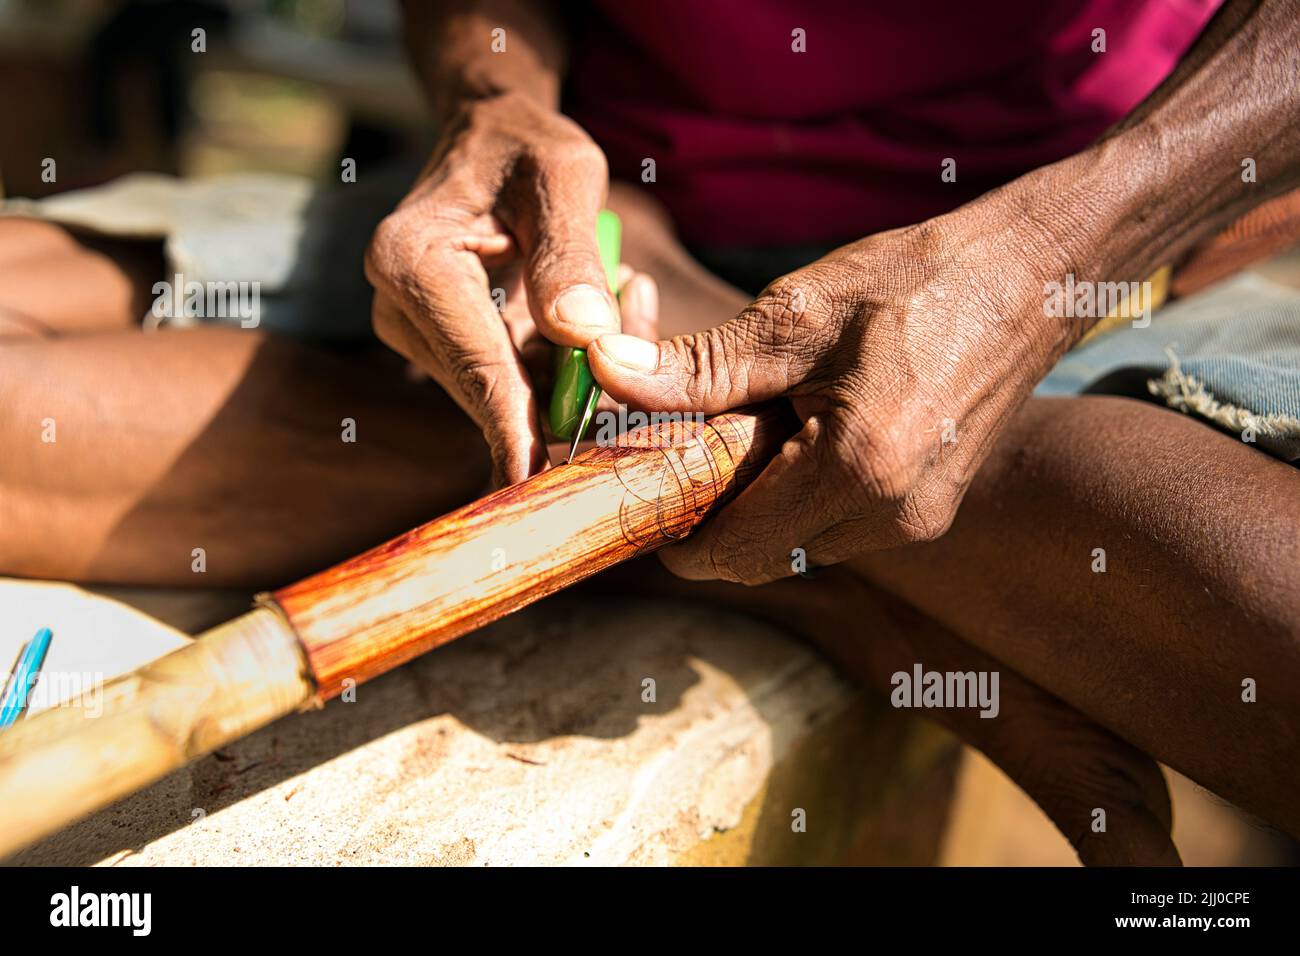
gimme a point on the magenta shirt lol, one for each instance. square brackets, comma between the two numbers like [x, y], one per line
[755, 144]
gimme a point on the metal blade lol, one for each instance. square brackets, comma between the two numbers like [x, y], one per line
[587, 411]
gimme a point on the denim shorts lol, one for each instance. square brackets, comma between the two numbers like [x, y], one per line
[1229, 355]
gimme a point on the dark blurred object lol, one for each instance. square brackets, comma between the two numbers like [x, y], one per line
[98, 87]
[135, 65]
[40, 91]
[108, 87]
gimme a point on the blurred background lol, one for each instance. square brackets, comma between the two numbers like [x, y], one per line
[284, 85]
[294, 85]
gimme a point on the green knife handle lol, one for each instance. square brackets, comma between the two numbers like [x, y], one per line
[574, 384]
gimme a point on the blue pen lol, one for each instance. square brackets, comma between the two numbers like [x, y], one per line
[28, 669]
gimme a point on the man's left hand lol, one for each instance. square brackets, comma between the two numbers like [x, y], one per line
[903, 354]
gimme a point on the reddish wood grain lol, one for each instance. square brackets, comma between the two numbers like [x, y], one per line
[455, 574]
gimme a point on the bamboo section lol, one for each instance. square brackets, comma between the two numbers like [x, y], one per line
[62, 764]
[305, 642]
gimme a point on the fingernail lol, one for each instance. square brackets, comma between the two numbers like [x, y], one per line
[584, 310]
[630, 351]
[647, 299]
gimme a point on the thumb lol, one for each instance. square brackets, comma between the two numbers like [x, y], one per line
[709, 372]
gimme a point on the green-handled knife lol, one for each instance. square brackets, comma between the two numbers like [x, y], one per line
[573, 402]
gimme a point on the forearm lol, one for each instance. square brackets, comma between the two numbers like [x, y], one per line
[1171, 173]
[1235, 97]
[458, 56]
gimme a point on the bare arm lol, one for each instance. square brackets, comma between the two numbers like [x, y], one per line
[1171, 173]
[450, 43]
[507, 204]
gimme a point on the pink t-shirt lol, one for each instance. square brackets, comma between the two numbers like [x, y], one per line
[756, 144]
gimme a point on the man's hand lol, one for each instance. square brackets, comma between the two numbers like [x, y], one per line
[506, 207]
[903, 354]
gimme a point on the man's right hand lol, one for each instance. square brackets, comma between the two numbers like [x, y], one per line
[506, 206]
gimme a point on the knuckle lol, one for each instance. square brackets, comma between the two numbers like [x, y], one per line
[737, 556]
[386, 252]
[553, 162]
[921, 521]
[794, 325]
[577, 153]
[787, 298]
[871, 462]
[407, 236]
[803, 298]
[707, 373]
[885, 477]
[485, 383]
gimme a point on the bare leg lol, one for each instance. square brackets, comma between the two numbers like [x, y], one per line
[222, 439]
[55, 283]
[1201, 588]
